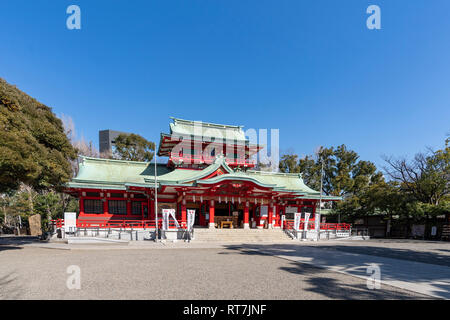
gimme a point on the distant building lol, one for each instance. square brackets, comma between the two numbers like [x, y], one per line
[106, 139]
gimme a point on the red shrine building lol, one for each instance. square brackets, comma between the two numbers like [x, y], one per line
[210, 169]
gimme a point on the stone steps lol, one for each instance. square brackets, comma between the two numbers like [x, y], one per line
[240, 235]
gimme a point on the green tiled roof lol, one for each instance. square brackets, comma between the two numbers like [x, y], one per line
[106, 172]
[118, 174]
[206, 130]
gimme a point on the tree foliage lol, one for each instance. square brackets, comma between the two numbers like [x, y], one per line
[424, 181]
[34, 149]
[426, 177]
[416, 190]
[26, 202]
[133, 147]
[344, 173]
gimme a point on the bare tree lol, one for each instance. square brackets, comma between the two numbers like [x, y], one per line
[83, 147]
[426, 177]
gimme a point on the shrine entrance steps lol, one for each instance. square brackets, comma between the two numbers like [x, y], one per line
[240, 235]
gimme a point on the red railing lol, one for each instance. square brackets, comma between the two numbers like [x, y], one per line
[117, 224]
[197, 159]
[289, 224]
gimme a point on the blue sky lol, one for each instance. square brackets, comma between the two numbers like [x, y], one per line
[309, 68]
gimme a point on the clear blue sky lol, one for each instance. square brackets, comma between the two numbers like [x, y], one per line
[310, 68]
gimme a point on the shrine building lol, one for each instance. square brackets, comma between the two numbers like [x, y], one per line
[209, 169]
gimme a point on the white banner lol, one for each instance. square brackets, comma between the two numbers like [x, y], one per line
[297, 217]
[190, 219]
[165, 219]
[317, 222]
[70, 221]
[166, 214]
[307, 214]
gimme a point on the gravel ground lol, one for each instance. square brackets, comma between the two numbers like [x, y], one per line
[199, 273]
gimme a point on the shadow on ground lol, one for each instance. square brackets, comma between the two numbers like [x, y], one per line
[15, 242]
[335, 290]
[429, 257]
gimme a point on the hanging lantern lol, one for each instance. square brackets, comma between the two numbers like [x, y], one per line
[193, 198]
[220, 199]
[201, 199]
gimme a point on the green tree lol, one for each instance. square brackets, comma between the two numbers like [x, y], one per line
[344, 175]
[26, 202]
[34, 149]
[133, 147]
[289, 163]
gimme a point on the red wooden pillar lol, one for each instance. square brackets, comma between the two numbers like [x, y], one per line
[314, 210]
[200, 215]
[270, 216]
[152, 210]
[105, 206]
[183, 213]
[276, 222]
[211, 214]
[81, 206]
[128, 207]
[246, 216]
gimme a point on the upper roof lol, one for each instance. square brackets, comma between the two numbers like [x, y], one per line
[117, 174]
[206, 130]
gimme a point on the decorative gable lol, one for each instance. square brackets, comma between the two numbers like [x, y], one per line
[220, 171]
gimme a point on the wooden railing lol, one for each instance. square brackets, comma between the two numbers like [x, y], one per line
[193, 159]
[289, 224]
[117, 224]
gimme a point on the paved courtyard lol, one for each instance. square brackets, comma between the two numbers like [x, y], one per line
[30, 270]
[418, 266]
